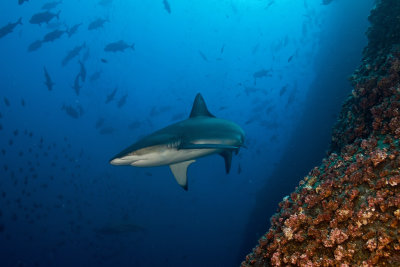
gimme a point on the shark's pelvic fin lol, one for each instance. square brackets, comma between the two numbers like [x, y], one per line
[200, 108]
[227, 155]
[179, 170]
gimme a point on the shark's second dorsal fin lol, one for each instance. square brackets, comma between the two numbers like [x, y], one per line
[199, 108]
[179, 170]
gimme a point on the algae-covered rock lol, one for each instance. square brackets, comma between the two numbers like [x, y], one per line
[346, 212]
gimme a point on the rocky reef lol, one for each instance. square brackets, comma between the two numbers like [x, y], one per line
[347, 211]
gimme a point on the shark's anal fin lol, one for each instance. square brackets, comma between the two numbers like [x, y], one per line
[227, 155]
[179, 170]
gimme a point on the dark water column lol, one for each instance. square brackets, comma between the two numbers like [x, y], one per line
[340, 52]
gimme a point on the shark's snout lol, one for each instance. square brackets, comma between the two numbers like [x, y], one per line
[122, 161]
[116, 161]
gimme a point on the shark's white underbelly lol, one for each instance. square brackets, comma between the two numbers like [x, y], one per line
[171, 156]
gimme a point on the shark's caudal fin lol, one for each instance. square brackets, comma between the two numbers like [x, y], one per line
[180, 172]
[200, 108]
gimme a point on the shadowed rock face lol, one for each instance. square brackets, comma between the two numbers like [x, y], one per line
[347, 210]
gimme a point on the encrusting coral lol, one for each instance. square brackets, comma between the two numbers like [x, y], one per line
[346, 212]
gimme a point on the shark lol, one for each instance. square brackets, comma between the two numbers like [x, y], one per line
[180, 144]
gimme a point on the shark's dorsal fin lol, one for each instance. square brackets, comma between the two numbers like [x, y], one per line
[227, 155]
[200, 108]
[179, 170]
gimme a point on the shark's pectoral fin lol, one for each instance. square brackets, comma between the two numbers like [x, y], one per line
[227, 155]
[207, 146]
[179, 170]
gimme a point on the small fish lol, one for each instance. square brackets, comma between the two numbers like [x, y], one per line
[77, 87]
[73, 112]
[95, 76]
[222, 49]
[71, 31]
[6, 101]
[251, 120]
[22, 102]
[203, 56]
[99, 123]
[269, 109]
[270, 3]
[249, 90]
[43, 17]
[20, 2]
[48, 82]
[82, 72]
[122, 101]
[118, 46]
[35, 45]
[260, 74]
[239, 171]
[104, 60]
[290, 58]
[96, 24]
[283, 90]
[9, 28]
[111, 96]
[72, 54]
[53, 35]
[51, 5]
[167, 6]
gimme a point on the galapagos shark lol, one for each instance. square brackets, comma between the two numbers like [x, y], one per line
[180, 144]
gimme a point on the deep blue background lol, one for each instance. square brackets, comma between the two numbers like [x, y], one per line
[57, 187]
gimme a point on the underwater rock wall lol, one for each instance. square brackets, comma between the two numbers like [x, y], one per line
[347, 211]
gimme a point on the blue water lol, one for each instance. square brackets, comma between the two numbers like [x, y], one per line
[255, 62]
